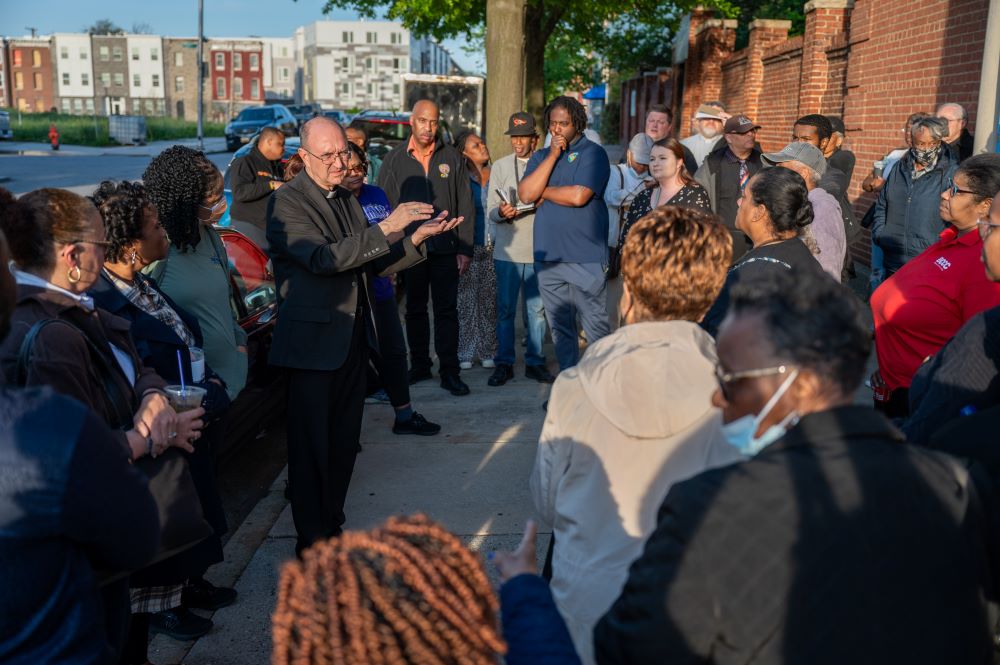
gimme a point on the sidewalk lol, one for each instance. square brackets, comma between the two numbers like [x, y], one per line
[473, 477]
[214, 144]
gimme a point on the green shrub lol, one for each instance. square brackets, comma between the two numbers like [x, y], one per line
[80, 129]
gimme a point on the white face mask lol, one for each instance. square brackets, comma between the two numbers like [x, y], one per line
[742, 432]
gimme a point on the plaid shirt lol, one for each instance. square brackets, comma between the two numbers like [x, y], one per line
[152, 599]
[144, 295]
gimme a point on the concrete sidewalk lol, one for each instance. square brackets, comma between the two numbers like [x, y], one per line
[473, 477]
[215, 144]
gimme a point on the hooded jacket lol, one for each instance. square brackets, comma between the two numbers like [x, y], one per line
[634, 417]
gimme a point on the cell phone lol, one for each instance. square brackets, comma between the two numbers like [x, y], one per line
[503, 196]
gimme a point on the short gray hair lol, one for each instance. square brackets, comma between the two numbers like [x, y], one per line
[814, 176]
[961, 109]
[936, 126]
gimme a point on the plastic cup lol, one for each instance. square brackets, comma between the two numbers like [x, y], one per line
[197, 365]
[879, 166]
[186, 398]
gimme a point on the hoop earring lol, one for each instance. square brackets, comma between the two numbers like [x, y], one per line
[74, 279]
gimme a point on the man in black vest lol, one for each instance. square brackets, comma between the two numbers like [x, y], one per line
[725, 173]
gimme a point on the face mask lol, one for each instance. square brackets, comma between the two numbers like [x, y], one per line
[925, 157]
[740, 433]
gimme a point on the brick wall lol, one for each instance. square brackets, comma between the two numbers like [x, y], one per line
[779, 103]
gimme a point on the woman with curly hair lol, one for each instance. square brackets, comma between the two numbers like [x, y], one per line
[162, 330]
[187, 191]
[407, 591]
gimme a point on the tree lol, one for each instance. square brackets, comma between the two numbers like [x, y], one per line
[505, 85]
[142, 28]
[104, 26]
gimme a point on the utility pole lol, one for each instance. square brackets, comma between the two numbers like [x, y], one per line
[33, 31]
[201, 73]
[504, 70]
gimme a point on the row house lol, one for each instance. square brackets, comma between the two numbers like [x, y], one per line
[73, 72]
[145, 75]
[111, 73]
[234, 75]
[128, 74]
[180, 68]
[279, 69]
[27, 74]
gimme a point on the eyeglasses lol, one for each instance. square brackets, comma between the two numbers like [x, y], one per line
[725, 379]
[360, 169]
[955, 191]
[986, 227]
[327, 158]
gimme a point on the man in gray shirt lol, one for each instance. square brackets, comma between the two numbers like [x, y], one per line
[513, 256]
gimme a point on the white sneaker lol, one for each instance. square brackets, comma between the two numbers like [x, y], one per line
[489, 364]
[465, 364]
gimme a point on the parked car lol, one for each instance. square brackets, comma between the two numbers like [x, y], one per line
[262, 400]
[387, 129]
[253, 119]
[303, 112]
[5, 131]
[339, 116]
[291, 146]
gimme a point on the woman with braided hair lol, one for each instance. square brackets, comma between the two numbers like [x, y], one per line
[405, 592]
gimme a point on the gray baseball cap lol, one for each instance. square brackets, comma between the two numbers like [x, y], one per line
[800, 151]
[639, 146]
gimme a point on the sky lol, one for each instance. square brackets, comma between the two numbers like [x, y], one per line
[223, 18]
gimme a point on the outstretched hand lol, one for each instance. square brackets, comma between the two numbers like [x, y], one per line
[523, 560]
[438, 225]
[404, 215]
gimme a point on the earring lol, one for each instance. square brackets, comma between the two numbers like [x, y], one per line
[74, 278]
[132, 258]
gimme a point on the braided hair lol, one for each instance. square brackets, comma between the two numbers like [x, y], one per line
[122, 206]
[577, 113]
[178, 181]
[405, 592]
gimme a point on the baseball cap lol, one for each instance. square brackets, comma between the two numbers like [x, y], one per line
[739, 124]
[707, 112]
[521, 124]
[639, 146]
[800, 151]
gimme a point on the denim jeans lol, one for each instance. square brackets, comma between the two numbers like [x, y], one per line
[511, 278]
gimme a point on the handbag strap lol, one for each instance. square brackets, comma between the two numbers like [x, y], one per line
[122, 416]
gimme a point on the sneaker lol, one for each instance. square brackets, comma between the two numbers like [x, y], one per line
[465, 364]
[201, 594]
[501, 375]
[377, 398]
[417, 424]
[539, 373]
[418, 375]
[454, 385]
[489, 364]
[179, 623]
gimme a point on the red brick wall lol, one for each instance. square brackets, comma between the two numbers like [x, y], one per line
[779, 105]
[734, 76]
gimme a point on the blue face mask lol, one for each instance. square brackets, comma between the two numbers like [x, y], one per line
[741, 433]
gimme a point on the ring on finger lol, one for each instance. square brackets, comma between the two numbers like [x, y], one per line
[173, 435]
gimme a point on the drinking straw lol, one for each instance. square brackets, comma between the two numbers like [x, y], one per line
[180, 369]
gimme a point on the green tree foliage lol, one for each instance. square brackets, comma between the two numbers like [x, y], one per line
[104, 26]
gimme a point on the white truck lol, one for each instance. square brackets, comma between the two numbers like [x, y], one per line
[459, 97]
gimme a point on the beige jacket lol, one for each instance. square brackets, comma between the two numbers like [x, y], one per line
[634, 417]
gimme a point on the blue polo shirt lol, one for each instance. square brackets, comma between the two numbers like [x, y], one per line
[574, 235]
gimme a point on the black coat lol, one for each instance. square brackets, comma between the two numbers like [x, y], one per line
[838, 543]
[252, 175]
[325, 255]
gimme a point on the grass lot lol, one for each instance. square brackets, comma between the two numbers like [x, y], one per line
[79, 130]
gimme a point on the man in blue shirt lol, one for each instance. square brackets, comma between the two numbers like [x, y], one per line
[566, 181]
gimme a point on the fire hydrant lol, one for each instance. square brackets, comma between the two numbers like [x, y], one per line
[54, 136]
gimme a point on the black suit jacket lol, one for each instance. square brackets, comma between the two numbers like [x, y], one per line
[838, 543]
[324, 255]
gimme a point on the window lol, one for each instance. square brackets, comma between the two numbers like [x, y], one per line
[178, 84]
[348, 37]
[83, 56]
[38, 81]
[106, 79]
[136, 107]
[116, 53]
[395, 64]
[284, 74]
[156, 80]
[178, 59]
[371, 38]
[65, 78]
[105, 53]
[149, 107]
[17, 57]
[36, 58]
[369, 64]
[254, 62]
[284, 51]
[371, 89]
[220, 88]
[90, 105]
[345, 65]
[161, 107]
[78, 105]
[254, 89]
[19, 80]
[220, 60]
[238, 88]
[154, 54]
[136, 80]
[85, 78]
[395, 88]
[65, 106]
[64, 53]
[345, 88]
[119, 78]
[396, 38]
[237, 61]
[135, 53]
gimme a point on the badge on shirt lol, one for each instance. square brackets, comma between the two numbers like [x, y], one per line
[266, 174]
[445, 170]
[572, 157]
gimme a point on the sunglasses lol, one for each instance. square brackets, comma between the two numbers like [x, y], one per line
[726, 379]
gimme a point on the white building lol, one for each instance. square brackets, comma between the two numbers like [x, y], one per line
[145, 74]
[429, 57]
[279, 68]
[74, 72]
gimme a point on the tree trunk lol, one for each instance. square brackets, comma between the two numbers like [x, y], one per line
[505, 66]
[534, 56]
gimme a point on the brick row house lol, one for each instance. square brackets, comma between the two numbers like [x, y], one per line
[27, 73]
[235, 77]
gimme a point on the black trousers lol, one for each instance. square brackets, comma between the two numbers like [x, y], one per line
[324, 427]
[436, 277]
[391, 360]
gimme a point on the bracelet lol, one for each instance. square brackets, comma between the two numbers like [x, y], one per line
[149, 446]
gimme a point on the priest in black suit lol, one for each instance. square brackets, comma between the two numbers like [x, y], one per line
[325, 254]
